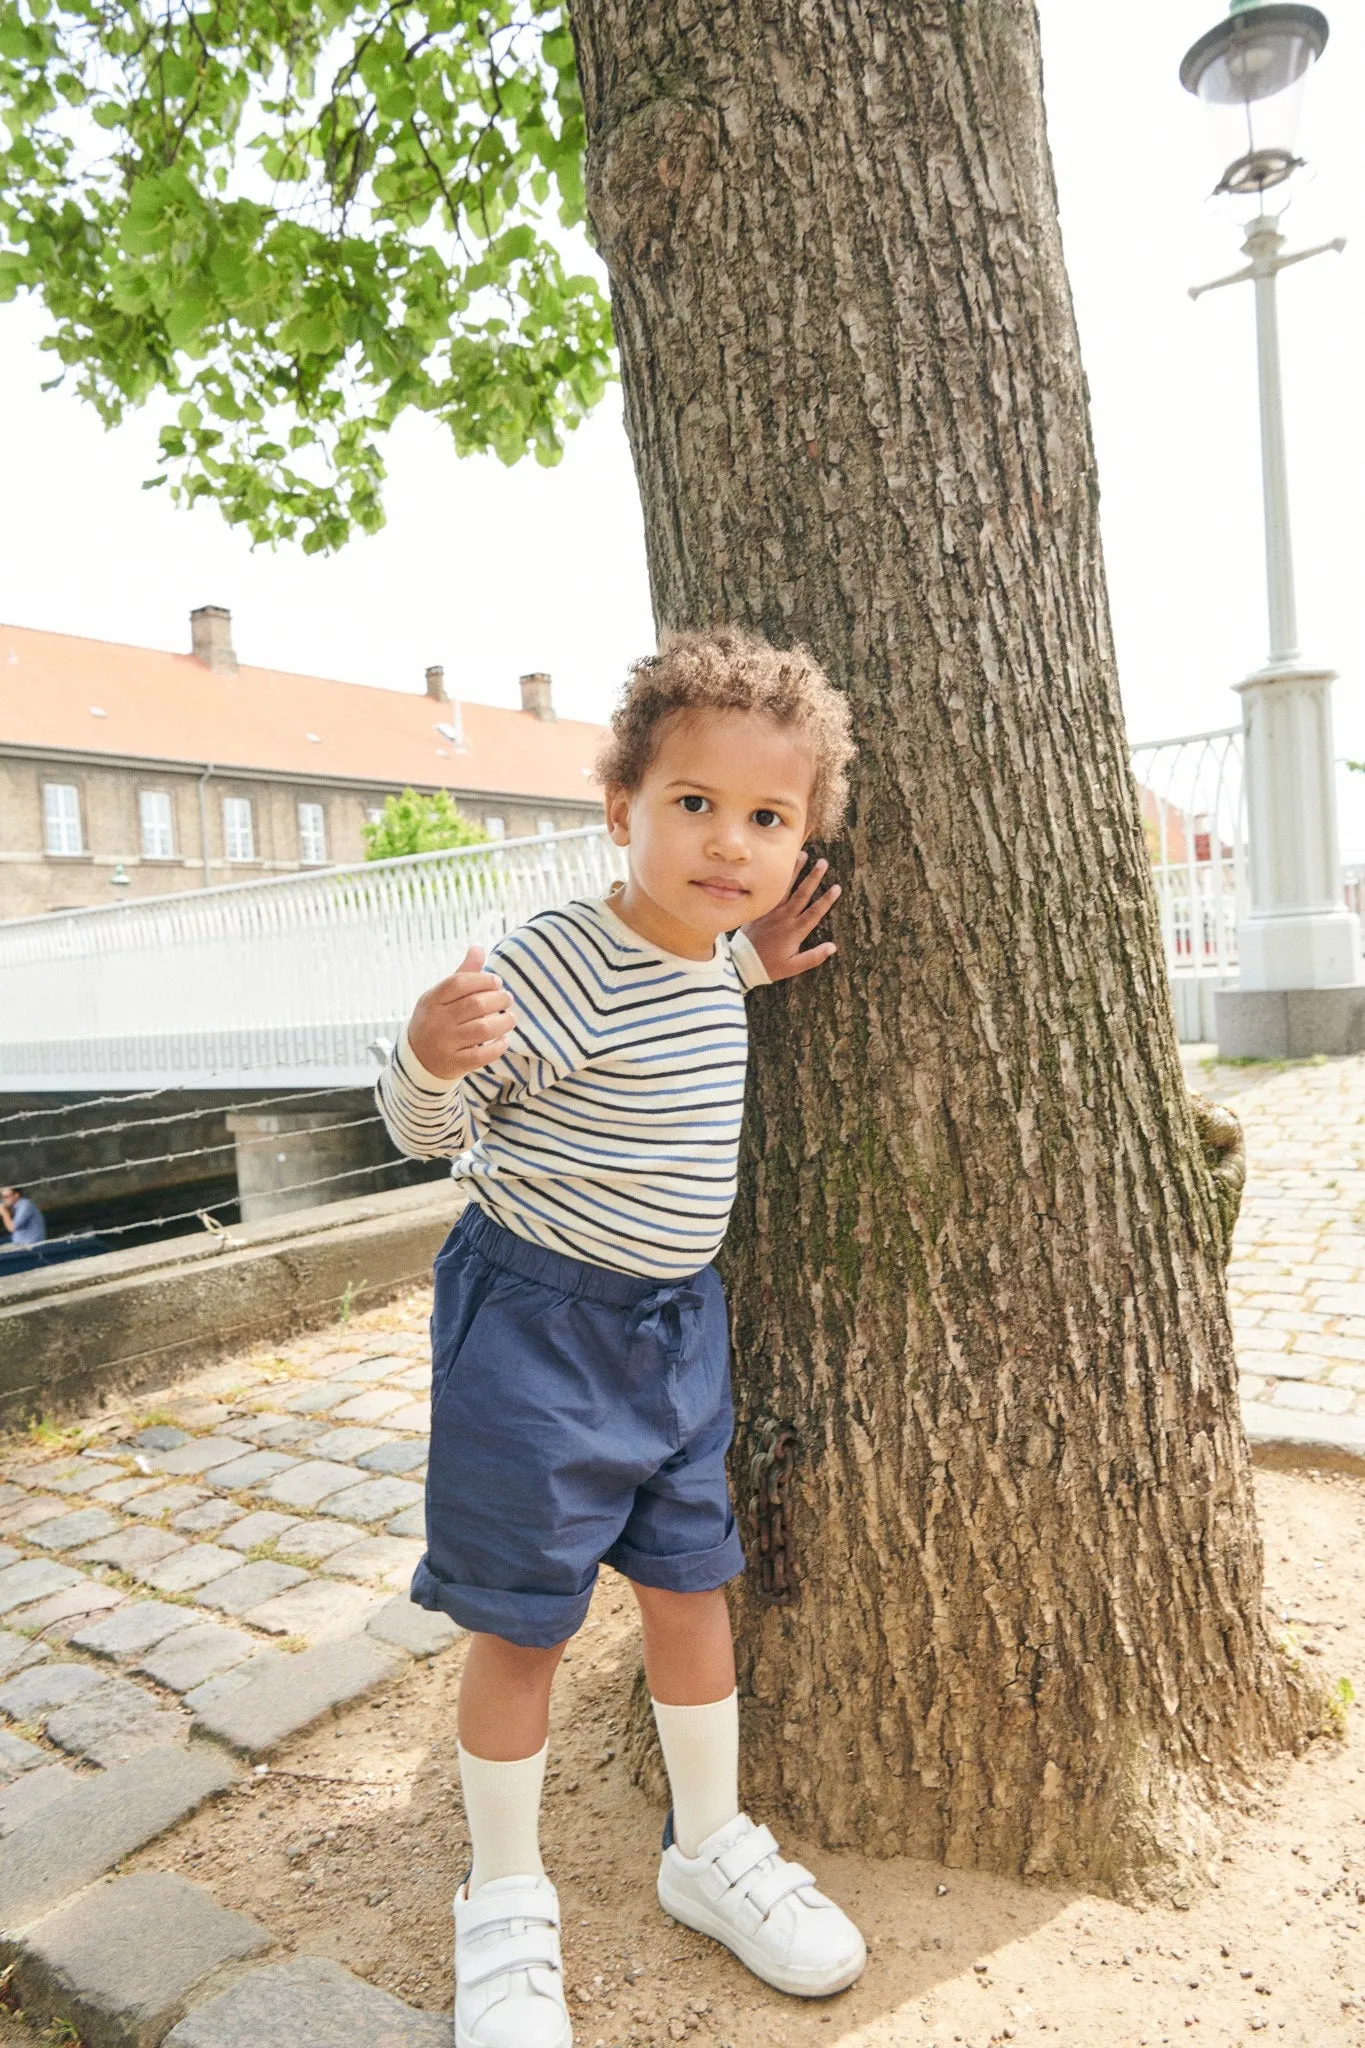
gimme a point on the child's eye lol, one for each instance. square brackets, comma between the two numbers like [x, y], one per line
[694, 804]
[767, 818]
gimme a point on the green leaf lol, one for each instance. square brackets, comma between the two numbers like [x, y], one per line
[187, 317]
[23, 45]
[313, 333]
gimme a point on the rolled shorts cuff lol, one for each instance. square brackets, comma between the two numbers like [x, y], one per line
[535, 1621]
[700, 1572]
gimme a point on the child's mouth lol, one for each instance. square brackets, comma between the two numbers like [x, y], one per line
[722, 892]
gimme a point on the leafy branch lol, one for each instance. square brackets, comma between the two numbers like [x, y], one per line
[298, 219]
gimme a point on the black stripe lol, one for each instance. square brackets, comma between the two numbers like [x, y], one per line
[544, 1193]
[675, 997]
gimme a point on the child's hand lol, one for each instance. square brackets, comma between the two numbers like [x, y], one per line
[465, 1022]
[777, 937]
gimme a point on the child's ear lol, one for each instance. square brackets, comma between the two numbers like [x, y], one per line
[618, 815]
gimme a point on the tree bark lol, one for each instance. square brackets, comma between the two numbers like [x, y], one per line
[976, 1260]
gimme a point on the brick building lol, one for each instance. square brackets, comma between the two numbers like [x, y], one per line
[127, 771]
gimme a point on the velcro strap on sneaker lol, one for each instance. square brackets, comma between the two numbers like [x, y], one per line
[746, 1854]
[769, 1887]
[490, 1908]
[538, 1948]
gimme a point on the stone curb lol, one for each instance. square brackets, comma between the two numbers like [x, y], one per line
[308, 2003]
[252, 1709]
[100, 1821]
[1282, 1440]
[122, 1962]
[79, 1332]
[152, 1958]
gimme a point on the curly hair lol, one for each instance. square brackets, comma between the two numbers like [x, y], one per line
[729, 669]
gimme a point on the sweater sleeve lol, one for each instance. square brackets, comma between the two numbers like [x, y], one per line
[748, 966]
[427, 1118]
[430, 1118]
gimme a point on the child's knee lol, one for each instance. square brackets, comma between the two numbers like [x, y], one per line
[659, 1605]
[512, 1663]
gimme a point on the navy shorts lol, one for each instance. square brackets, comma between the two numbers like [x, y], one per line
[579, 1416]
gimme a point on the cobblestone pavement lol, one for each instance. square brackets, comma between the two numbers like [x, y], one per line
[1297, 1278]
[182, 1588]
[187, 1584]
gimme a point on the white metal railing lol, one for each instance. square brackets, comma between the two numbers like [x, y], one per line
[292, 978]
[264, 980]
[1193, 812]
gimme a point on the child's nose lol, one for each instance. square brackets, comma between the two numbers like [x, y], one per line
[728, 841]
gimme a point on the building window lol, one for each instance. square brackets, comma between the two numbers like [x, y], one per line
[62, 818]
[545, 826]
[154, 814]
[239, 839]
[496, 828]
[373, 813]
[312, 835]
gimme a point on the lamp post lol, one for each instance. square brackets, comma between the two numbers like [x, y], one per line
[1299, 946]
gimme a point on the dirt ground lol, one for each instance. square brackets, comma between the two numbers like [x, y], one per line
[349, 1846]
[15, 2032]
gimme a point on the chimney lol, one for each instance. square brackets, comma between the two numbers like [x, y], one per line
[535, 696]
[436, 684]
[211, 638]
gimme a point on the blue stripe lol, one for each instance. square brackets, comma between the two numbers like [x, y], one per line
[611, 1126]
[604, 1207]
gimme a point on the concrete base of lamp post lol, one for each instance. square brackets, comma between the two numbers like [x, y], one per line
[1299, 989]
[1301, 950]
[1290, 1023]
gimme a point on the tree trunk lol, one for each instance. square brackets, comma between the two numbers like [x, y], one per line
[976, 1257]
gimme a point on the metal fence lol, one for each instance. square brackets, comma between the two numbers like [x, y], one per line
[272, 980]
[1193, 812]
[291, 979]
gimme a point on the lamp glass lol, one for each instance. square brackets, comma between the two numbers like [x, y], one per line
[1249, 72]
[1245, 126]
[1254, 67]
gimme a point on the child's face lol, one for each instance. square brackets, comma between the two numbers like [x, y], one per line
[716, 827]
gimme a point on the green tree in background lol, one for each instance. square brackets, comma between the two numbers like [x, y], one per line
[298, 219]
[419, 824]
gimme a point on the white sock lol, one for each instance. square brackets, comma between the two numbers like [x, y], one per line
[502, 1806]
[701, 1755]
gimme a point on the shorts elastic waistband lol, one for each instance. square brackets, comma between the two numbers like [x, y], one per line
[565, 1275]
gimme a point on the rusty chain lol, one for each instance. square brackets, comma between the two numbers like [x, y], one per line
[770, 1474]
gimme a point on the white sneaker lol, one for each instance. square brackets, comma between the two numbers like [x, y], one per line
[738, 1890]
[509, 1978]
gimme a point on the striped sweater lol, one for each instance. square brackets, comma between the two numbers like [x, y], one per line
[610, 1127]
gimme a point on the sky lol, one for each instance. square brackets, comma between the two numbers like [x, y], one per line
[494, 572]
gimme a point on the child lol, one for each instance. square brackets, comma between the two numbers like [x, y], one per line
[591, 1091]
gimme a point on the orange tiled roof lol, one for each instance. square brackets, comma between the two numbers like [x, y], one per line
[171, 707]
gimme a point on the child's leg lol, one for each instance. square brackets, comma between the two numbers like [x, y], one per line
[690, 1666]
[504, 1720]
[720, 1874]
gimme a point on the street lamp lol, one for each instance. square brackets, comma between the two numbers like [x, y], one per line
[1299, 946]
[1249, 71]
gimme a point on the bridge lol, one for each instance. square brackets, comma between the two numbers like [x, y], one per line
[186, 1060]
[287, 982]
[192, 1061]
[277, 983]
